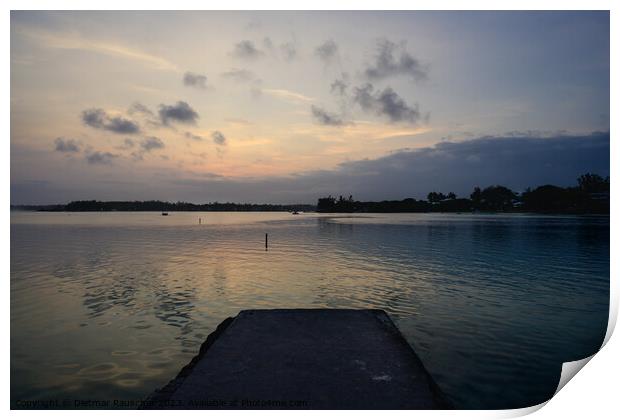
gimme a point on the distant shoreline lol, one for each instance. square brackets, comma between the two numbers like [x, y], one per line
[161, 206]
[590, 196]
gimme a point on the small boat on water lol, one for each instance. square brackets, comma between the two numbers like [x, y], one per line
[164, 213]
[295, 212]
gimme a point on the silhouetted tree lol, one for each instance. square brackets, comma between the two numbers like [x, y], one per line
[593, 183]
[476, 196]
[435, 197]
[326, 204]
[551, 199]
[496, 198]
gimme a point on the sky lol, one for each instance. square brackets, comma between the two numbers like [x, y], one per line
[286, 107]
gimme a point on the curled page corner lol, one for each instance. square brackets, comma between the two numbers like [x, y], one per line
[570, 369]
[613, 316]
[521, 412]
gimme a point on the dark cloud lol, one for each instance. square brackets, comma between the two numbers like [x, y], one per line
[151, 143]
[289, 51]
[94, 117]
[448, 166]
[385, 103]
[100, 158]
[239, 75]
[393, 60]
[192, 136]
[218, 138]
[327, 51]
[460, 166]
[326, 118]
[247, 50]
[66, 145]
[122, 126]
[195, 80]
[98, 118]
[180, 112]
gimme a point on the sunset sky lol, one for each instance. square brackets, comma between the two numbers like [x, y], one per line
[286, 107]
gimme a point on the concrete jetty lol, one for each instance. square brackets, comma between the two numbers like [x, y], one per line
[303, 359]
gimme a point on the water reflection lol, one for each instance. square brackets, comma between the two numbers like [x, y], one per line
[120, 307]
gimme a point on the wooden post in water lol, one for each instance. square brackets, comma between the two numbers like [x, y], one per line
[199, 221]
[266, 240]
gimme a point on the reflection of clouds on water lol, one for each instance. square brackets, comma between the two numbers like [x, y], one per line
[104, 291]
[170, 299]
[175, 307]
[127, 307]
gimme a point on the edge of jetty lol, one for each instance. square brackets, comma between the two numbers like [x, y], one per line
[303, 359]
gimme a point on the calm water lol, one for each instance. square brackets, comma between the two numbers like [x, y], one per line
[112, 305]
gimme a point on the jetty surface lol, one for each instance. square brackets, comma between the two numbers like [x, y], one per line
[303, 359]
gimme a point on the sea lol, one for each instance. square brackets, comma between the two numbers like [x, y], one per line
[110, 306]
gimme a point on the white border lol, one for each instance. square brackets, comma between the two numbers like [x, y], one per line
[593, 394]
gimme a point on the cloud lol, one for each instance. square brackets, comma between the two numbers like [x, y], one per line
[180, 112]
[243, 76]
[151, 143]
[287, 95]
[138, 108]
[267, 43]
[127, 144]
[79, 42]
[327, 51]
[122, 126]
[100, 158]
[460, 166]
[385, 103]
[66, 145]
[326, 118]
[94, 117]
[147, 145]
[218, 138]
[393, 60]
[339, 86]
[192, 136]
[196, 80]
[447, 166]
[98, 118]
[239, 75]
[247, 50]
[289, 51]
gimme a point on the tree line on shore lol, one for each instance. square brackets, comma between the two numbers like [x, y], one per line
[155, 205]
[590, 196]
